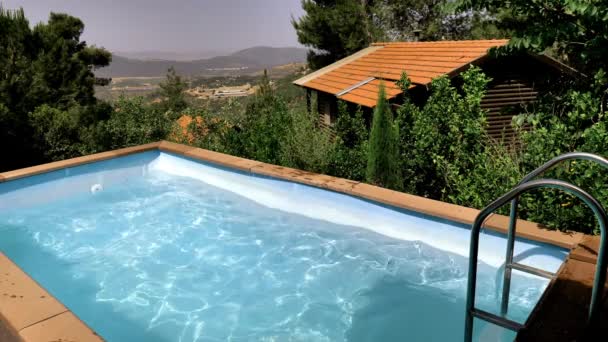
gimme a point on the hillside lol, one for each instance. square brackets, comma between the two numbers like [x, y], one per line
[153, 55]
[244, 61]
[268, 56]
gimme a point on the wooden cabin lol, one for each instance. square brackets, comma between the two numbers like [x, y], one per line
[516, 82]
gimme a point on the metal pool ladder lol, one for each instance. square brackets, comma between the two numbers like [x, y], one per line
[525, 185]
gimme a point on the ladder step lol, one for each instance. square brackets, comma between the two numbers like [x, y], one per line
[497, 320]
[531, 270]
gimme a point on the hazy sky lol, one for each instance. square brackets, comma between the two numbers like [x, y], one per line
[174, 25]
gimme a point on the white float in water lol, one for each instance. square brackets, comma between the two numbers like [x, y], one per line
[96, 188]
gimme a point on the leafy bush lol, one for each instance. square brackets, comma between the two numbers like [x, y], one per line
[132, 122]
[58, 132]
[578, 125]
[208, 132]
[493, 171]
[265, 125]
[305, 146]
[446, 134]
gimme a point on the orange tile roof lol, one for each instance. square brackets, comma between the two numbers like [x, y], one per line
[422, 61]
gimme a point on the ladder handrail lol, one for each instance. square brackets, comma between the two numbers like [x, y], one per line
[590, 201]
[506, 285]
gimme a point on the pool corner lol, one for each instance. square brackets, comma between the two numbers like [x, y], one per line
[29, 313]
[569, 291]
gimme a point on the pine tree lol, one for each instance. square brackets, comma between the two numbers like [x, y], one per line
[172, 90]
[44, 65]
[383, 153]
[334, 29]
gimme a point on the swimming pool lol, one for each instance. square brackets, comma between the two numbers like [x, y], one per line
[157, 247]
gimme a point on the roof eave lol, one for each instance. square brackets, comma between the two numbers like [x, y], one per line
[566, 69]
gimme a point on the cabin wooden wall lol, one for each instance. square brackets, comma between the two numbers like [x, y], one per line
[504, 99]
[517, 82]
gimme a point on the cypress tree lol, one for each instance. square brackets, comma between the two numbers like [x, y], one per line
[383, 153]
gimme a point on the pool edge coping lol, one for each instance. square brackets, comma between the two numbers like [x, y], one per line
[499, 223]
[443, 210]
[452, 212]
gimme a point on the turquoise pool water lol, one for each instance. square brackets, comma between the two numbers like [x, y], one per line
[152, 254]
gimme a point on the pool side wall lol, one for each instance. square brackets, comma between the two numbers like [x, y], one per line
[34, 315]
[451, 212]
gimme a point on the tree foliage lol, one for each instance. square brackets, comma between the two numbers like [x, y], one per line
[131, 122]
[44, 70]
[172, 93]
[333, 29]
[569, 120]
[574, 30]
[406, 20]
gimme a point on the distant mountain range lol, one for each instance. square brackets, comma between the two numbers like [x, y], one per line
[242, 62]
[153, 55]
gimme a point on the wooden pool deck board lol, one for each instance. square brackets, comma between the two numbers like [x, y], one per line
[37, 316]
[561, 315]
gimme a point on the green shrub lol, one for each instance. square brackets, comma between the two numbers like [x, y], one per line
[577, 123]
[447, 133]
[208, 132]
[349, 157]
[574, 121]
[305, 145]
[493, 171]
[265, 125]
[132, 122]
[58, 132]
